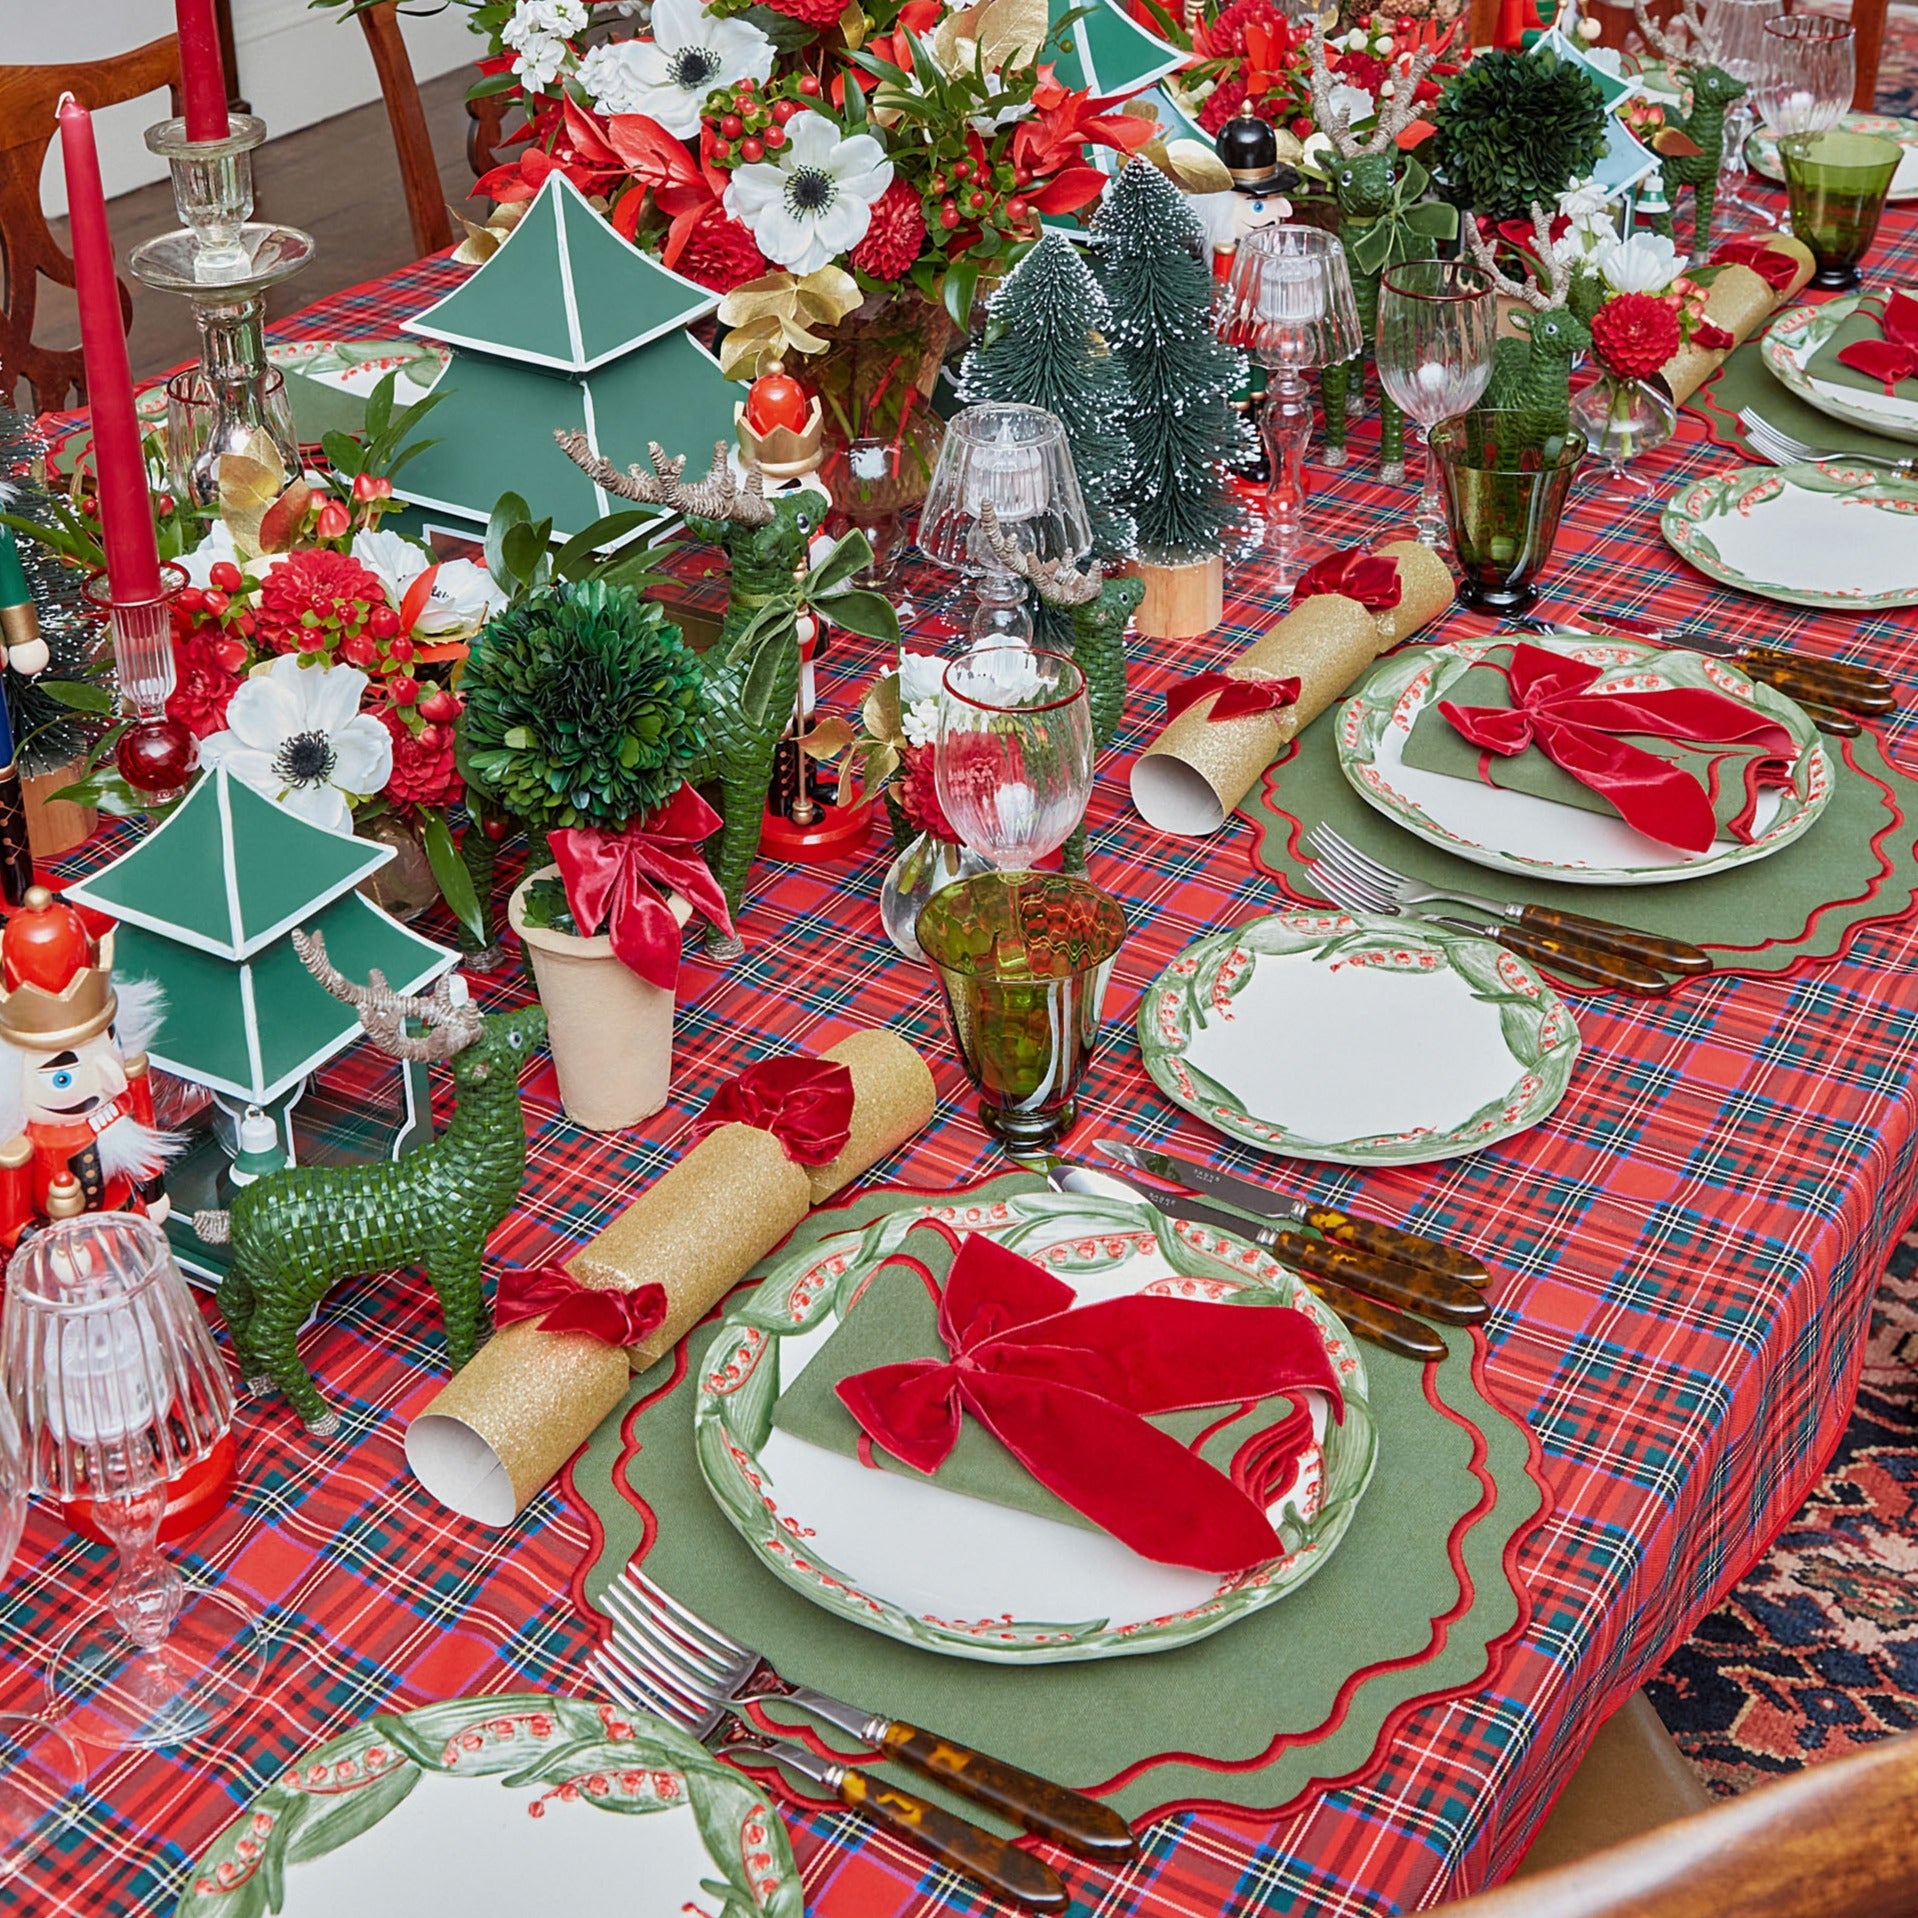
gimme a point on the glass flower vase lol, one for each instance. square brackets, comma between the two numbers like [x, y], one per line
[923, 866]
[1622, 419]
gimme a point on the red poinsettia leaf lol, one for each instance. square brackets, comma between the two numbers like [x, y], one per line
[648, 151]
[1067, 192]
[1126, 131]
[586, 138]
[626, 214]
[414, 602]
[503, 183]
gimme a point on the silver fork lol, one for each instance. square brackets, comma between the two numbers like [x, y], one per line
[1361, 883]
[1785, 449]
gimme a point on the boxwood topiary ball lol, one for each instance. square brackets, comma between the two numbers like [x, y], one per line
[1513, 128]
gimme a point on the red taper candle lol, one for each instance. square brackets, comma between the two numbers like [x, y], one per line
[119, 463]
[202, 76]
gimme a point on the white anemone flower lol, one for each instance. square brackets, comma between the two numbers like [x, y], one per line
[922, 678]
[463, 599]
[815, 201]
[1646, 263]
[668, 77]
[295, 734]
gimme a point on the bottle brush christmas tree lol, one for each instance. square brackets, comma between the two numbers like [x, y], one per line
[1048, 344]
[1180, 379]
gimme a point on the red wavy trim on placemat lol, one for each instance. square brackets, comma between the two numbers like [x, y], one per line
[1721, 427]
[1804, 962]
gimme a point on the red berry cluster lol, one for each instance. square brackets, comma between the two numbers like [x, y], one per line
[744, 123]
[967, 190]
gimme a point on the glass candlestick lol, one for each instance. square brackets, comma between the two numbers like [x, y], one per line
[155, 752]
[212, 189]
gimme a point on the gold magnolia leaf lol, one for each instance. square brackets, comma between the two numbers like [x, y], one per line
[852, 26]
[1011, 32]
[828, 739]
[249, 482]
[1195, 167]
[879, 713]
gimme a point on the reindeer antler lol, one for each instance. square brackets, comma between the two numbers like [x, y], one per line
[1334, 122]
[717, 496]
[1394, 115]
[455, 1023]
[1398, 113]
[1688, 38]
[1557, 284]
[1058, 583]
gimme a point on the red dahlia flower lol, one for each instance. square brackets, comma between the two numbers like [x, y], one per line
[203, 685]
[818, 14]
[1634, 335]
[919, 797]
[423, 770]
[897, 232]
[314, 599]
[720, 253]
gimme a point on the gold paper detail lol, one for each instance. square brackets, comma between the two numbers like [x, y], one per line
[892, 1100]
[776, 315]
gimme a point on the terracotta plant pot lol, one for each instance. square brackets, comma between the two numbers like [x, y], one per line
[611, 1032]
[56, 826]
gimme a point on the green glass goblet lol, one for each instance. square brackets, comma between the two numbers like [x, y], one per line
[1837, 184]
[1024, 958]
[1505, 487]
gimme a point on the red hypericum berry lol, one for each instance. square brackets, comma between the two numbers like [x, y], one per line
[359, 651]
[937, 184]
[1022, 176]
[809, 85]
[721, 150]
[751, 150]
[747, 85]
[1017, 210]
[165, 505]
[1302, 126]
[783, 110]
[433, 737]
[226, 576]
[400, 651]
[495, 828]
[230, 653]
[440, 705]
[962, 169]
[382, 622]
[371, 486]
[775, 138]
[312, 639]
[403, 690]
[334, 520]
[948, 215]
[215, 602]
[90, 507]
[190, 599]
[731, 127]
[975, 199]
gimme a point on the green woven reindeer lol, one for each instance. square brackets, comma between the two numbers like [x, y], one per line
[1533, 375]
[295, 1234]
[752, 671]
[1691, 147]
[1384, 219]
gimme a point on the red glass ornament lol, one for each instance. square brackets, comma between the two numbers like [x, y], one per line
[777, 399]
[155, 754]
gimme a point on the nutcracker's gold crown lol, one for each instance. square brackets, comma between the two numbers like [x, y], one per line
[43, 1021]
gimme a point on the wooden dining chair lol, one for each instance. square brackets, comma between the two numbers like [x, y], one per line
[1837, 1841]
[419, 171]
[28, 99]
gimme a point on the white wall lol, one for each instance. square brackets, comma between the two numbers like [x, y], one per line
[297, 66]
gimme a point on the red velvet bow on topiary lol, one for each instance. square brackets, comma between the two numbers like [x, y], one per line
[552, 1295]
[1066, 1389]
[1895, 357]
[614, 879]
[1236, 697]
[1372, 581]
[1580, 733]
[806, 1104]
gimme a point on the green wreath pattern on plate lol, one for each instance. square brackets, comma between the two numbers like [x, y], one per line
[1761, 146]
[1537, 1027]
[1401, 687]
[1074, 1234]
[617, 1760]
[1686, 520]
[1787, 349]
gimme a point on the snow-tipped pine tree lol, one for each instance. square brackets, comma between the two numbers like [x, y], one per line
[1180, 377]
[1047, 344]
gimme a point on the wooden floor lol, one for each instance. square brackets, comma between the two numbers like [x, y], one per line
[339, 181]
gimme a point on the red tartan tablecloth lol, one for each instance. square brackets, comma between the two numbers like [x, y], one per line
[1687, 1251]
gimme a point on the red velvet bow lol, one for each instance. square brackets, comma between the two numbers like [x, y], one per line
[1581, 734]
[1373, 582]
[552, 1295]
[1711, 338]
[614, 880]
[1520, 235]
[1776, 269]
[806, 1104]
[1065, 1387]
[1895, 357]
[1236, 697]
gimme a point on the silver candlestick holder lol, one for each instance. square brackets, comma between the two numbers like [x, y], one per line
[225, 263]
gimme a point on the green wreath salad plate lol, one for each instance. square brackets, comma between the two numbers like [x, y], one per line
[1356, 1040]
[1793, 341]
[1533, 836]
[1000, 1572]
[503, 1807]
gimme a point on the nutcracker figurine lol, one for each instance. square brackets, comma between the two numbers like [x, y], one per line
[76, 1106]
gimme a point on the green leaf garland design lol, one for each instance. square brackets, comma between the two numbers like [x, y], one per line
[1787, 349]
[1538, 1027]
[1081, 1234]
[614, 1759]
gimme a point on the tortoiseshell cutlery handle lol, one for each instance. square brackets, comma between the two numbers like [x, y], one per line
[1608, 969]
[1393, 1242]
[1014, 1875]
[1057, 1812]
[1399, 1285]
[1858, 688]
[1670, 955]
[1380, 1325]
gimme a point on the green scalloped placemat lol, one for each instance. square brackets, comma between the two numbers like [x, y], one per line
[1857, 864]
[1744, 380]
[1413, 1606]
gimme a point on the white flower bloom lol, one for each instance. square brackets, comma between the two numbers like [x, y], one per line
[920, 722]
[295, 733]
[1354, 102]
[463, 599]
[815, 201]
[921, 677]
[562, 17]
[537, 61]
[1317, 153]
[1355, 40]
[668, 77]
[1646, 263]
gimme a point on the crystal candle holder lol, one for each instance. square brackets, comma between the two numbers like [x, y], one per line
[212, 189]
[155, 752]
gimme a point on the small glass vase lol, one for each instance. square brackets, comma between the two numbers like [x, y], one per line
[922, 867]
[1621, 420]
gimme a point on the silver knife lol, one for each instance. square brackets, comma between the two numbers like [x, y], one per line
[1365, 1235]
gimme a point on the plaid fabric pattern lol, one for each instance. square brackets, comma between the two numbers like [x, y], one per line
[1686, 1255]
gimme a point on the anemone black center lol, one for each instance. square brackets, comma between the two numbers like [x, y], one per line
[808, 190]
[305, 759]
[695, 69]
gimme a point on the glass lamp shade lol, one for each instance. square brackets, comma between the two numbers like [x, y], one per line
[1289, 302]
[109, 1365]
[1016, 458]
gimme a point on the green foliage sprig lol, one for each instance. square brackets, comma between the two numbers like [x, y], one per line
[582, 707]
[1511, 128]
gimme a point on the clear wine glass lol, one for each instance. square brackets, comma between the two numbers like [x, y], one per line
[1736, 30]
[119, 1390]
[1013, 764]
[1437, 328]
[1807, 72]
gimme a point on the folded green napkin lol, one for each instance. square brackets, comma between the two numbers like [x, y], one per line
[1863, 323]
[1434, 745]
[895, 1320]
